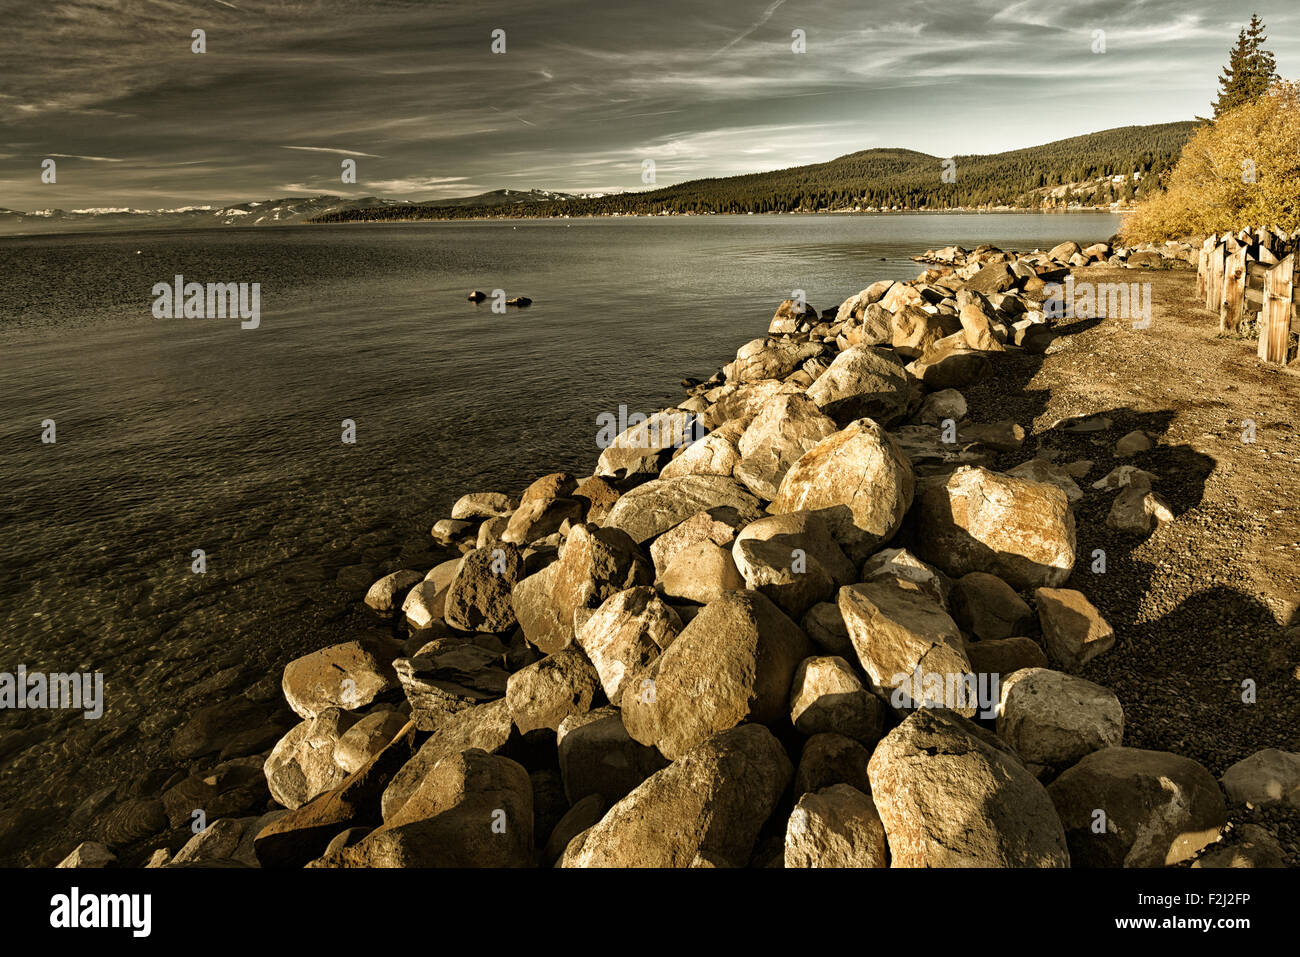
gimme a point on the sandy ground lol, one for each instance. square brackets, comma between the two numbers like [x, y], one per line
[1206, 605]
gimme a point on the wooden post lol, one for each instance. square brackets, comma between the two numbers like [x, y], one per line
[1214, 287]
[1275, 317]
[1234, 290]
[1202, 267]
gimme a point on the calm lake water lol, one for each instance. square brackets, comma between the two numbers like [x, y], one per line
[183, 434]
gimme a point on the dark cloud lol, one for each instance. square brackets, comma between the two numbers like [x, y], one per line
[584, 92]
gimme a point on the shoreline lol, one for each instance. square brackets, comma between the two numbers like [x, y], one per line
[472, 662]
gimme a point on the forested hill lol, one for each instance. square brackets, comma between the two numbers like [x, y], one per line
[1081, 169]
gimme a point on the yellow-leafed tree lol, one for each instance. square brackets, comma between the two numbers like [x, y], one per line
[1241, 170]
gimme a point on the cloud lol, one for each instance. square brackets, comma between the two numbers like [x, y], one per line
[326, 149]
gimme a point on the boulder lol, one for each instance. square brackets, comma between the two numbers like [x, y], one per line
[909, 647]
[835, 827]
[824, 624]
[901, 565]
[862, 382]
[715, 454]
[792, 559]
[790, 315]
[978, 520]
[733, 662]
[707, 807]
[1137, 510]
[951, 795]
[1266, 777]
[785, 428]
[718, 525]
[1004, 656]
[473, 810]
[444, 678]
[348, 675]
[830, 758]
[487, 727]
[950, 364]
[89, 854]
[1127, 807]
[645, 446]
[762, 359]
[478, 598]
[700, 573]
[941, 406]
[826, 696]
[385, 596]
[600, 497]
[988, 607]
[598, 756]
[302, 764]
[546, 692]
[370, 735]
[483, 505]
[977, 320]
[649, 510]
[860, 482]
[593, 564]
[1073, 629]
[1053, 719]
[629, 630]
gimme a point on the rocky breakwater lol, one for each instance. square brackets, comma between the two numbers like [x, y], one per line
[1168, 255]
[799, 620]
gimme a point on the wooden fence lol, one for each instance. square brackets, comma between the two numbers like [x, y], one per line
[1252, 276]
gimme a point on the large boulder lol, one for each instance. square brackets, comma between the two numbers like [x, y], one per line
[593, 564]
[1053, 719]
[1266, 777]
[478, 598]
[785, 428]
[473, 810]
[348, 675]
[835, 827]
[770, 359]
[704, 809]
[827, 696]
[625, 634]
[649, 510]
[860, 482]
[1127, 807]
[598, 756]
[734, 662]
[546, 692]
[909, 647]
[983, 521]
[646, 444]
[988, 607]
[1073, 629]
[717, 525]
[862, 382]
[792, 559]
[487, 727]
[951, 795]
[302, 763]
[700, 573]
[714, 454]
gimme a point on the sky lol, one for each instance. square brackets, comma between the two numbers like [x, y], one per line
[582, 95]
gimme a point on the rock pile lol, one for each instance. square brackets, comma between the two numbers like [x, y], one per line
[1168, 255]
[822, 633]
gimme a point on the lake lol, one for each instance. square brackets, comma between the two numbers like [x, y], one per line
[173, 435]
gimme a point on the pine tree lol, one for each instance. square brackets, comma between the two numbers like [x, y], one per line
[1251, 69]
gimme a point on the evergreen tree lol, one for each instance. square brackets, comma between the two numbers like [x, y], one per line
[1251, 69]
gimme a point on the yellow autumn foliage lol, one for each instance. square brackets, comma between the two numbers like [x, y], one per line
[1241, 170]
